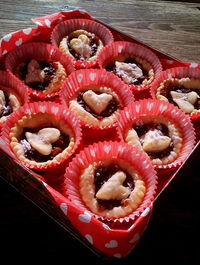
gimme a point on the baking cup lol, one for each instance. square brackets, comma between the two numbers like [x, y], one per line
[9, 84]
[156, 109]
[175, 73]
[65, 28]
[123, 49]
[114, 151]
[48, 114]
[40, 52]
[95, 77]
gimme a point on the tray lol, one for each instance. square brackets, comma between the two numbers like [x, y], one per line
[99, 237]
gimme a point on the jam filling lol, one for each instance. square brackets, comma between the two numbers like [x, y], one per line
[34, 155]
[142, 129]
[101, 175]
[179, 89]
[110, 109]
[137, 81]
[48, 68]
[93, 44]
[7, 109]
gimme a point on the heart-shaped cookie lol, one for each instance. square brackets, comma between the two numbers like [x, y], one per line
[43, 139]
[97, 103]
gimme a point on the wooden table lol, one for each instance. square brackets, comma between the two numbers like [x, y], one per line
[171, 27]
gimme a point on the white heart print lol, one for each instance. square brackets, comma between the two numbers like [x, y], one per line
[47, 22]
[92, 76]
[89, 238]
[27, 31]
[63, 207]
[85, 217]
[135, 238]
[111, 244]
[107, 148]
[79, 77]
[7, 37]
[19, 42]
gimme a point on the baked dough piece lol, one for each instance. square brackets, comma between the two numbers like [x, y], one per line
[157, 136]
[111, 189]
[133, 71]
[184, 93]
[81, 45]
[41, 139]
[46, 77]
[96, 105]
[9, 102]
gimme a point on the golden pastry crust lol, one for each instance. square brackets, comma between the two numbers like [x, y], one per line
[88, 117]
[36, 121]
[175, 137]
[14, 100]
[75, 34]
[185, 101]
[128, 204]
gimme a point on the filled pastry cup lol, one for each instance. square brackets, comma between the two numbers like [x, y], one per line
[41, 67]
[96, 97]
[158, 128]
[111, 180]
[12, 96]
[82, 40]
[42, 135]
[179, 86]
[136, 65]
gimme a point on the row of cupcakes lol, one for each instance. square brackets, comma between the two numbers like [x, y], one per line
[112, 179]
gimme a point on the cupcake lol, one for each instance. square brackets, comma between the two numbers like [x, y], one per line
[41, 67]
[136, 65]
[95, 96]
[179, 86]
[111, 180]
[160, 129]
[42, 135]
[81, 39]
[12, 96]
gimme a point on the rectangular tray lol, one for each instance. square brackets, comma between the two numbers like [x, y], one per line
[47, 196]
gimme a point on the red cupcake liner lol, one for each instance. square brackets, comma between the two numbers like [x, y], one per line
[81, 78]
[150, 107]
[60, 112]
[6, 81]
[39, 51]
[129, 49]
[104, 151]
[65, 28]
[178, 73]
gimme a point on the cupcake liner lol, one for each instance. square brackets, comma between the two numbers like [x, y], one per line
[7, 82]
[61, 113]
[129, 49]
[81, 78]
[178, 73]
[65, 28]
[39, 51]
[157, 108]
[105, 151]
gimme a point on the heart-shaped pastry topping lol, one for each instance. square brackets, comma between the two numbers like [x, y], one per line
[128, 71]
[185, 101]
[97, 103]
[34, 73]
[43, 139]
[113, 188]
[81, 45]
[155, 141]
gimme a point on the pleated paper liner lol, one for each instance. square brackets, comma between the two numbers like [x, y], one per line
[80, 79]
[42, 115]
[121, 50]
[114, 152]
[63, 29]
[157, 108]
[10, 85]
[176, 73]
[40, 52]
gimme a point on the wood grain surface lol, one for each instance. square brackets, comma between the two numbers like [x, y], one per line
[26, 233]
